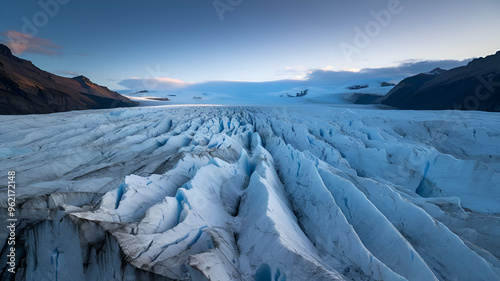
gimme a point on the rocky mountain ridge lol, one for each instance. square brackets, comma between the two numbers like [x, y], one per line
[26, 89]
[475, 86]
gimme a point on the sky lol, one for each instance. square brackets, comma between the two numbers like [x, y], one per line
[126, 44]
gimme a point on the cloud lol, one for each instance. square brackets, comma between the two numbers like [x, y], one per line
[67, 73]
[314, 77]
[296, 72]
[408, 68]
[23, 43]
[396, 73]
[154, 83]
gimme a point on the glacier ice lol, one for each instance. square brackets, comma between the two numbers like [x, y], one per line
[254, 193]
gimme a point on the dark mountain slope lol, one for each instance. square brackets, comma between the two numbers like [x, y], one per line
[26, 89]
[475, 86]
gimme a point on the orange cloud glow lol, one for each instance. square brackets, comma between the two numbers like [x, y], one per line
[23, 43]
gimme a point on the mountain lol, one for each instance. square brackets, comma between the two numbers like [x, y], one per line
[26, 89]
[475, 86]
[436, 71]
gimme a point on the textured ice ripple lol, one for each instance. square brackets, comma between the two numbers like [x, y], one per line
[265, 193]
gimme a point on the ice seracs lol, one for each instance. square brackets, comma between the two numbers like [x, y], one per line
[261, 193]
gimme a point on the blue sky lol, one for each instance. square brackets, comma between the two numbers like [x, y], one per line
[181, 42]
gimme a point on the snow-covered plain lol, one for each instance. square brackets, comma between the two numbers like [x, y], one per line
[278, 193]
[322, 95]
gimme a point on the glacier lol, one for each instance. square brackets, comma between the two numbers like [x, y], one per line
[297, 192]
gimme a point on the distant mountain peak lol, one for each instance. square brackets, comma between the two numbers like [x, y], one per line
[83, 80]
[4, 50]
[81, 77]
[436, 71]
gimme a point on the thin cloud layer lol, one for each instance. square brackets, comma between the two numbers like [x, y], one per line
[317, 77]
[396, 73]
[67, 73]
[21, 43]
[154, 83]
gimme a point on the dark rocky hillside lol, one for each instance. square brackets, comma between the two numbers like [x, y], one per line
[26, 89]
[475, 86]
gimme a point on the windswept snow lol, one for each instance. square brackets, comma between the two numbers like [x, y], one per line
[255, 193]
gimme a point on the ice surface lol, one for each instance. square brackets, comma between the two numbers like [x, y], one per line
[255, 193]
